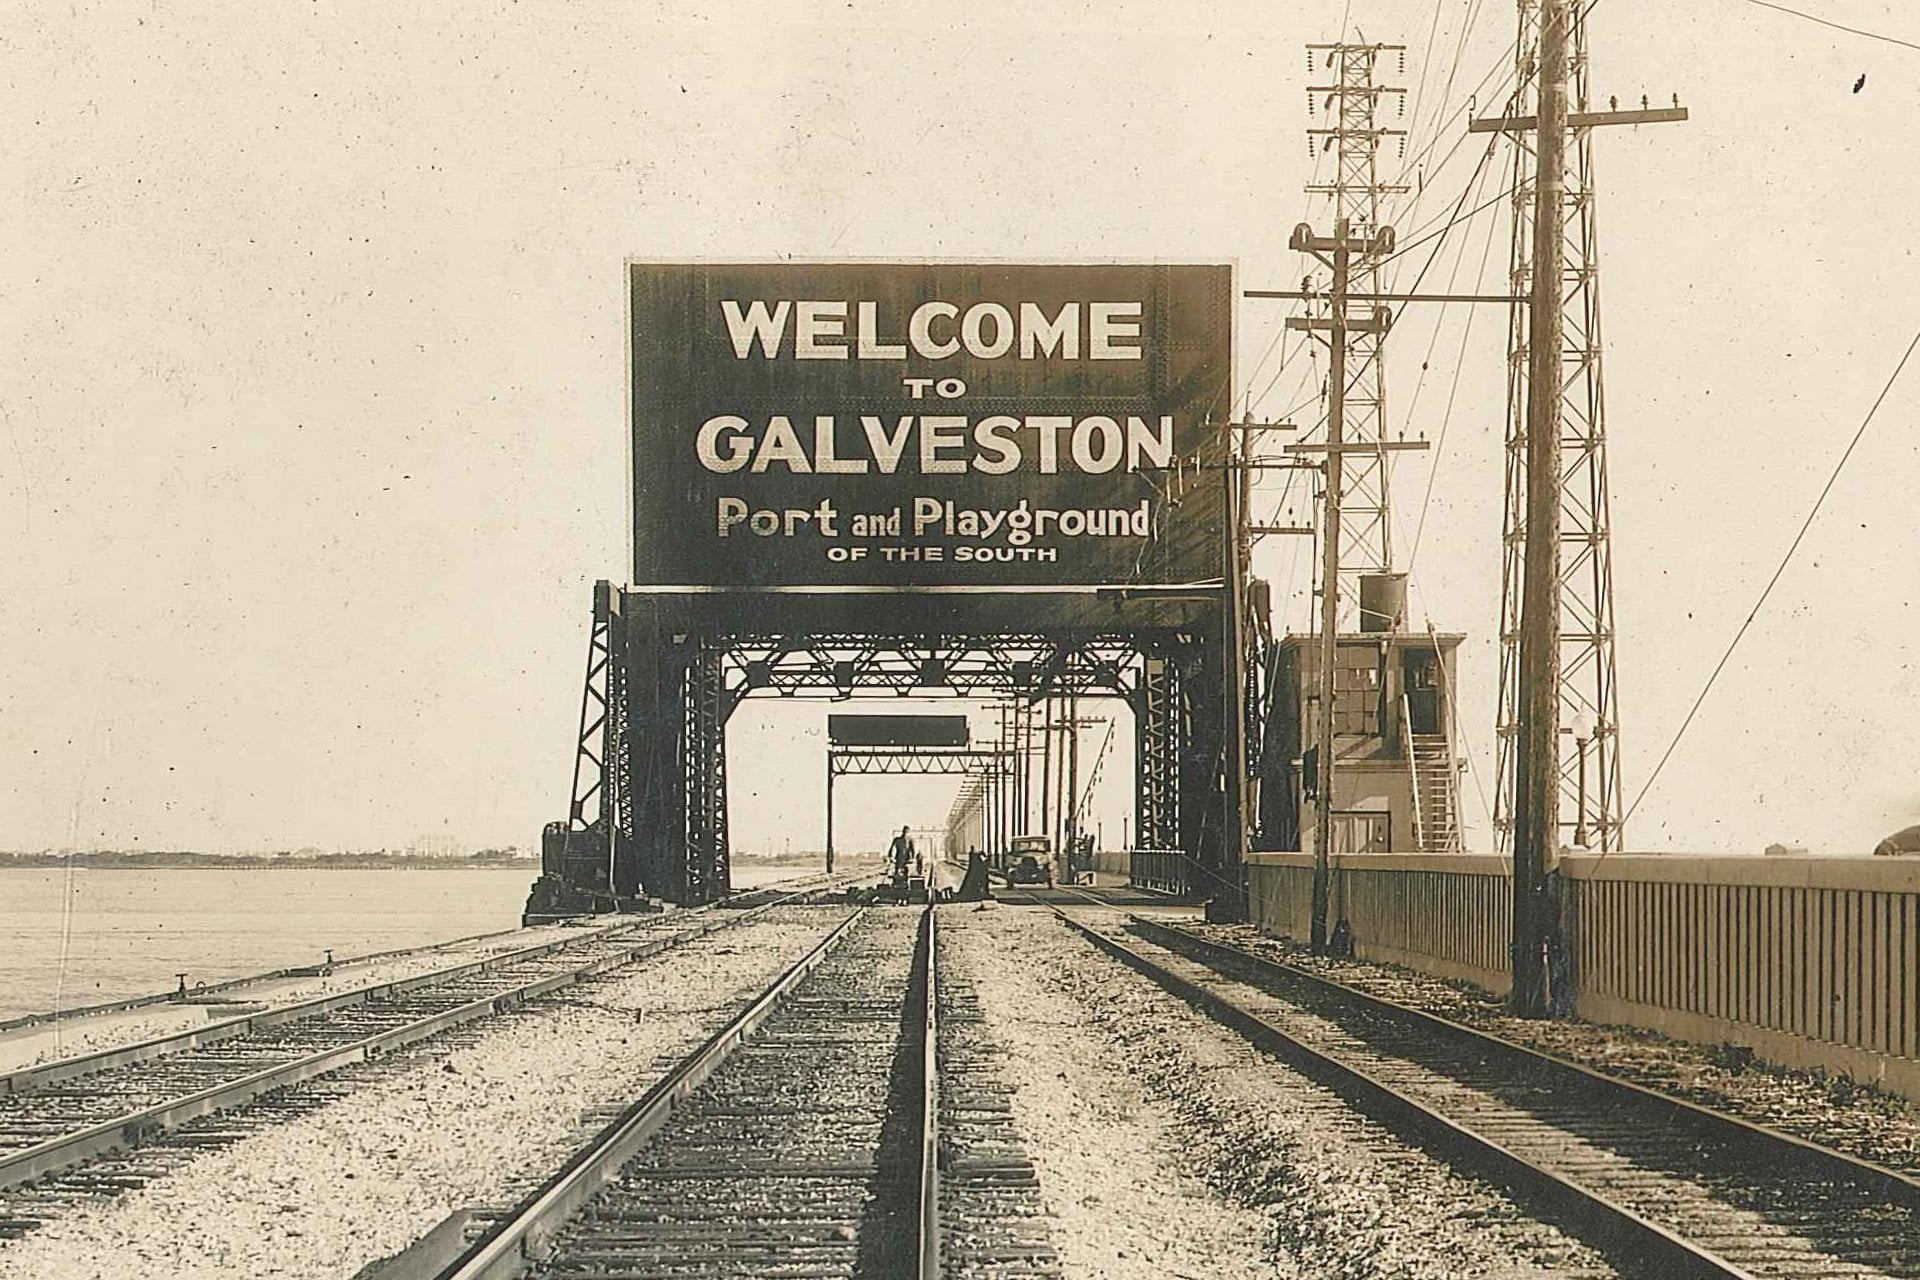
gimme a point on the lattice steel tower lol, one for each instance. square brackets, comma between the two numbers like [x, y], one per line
[1354, 135]
[1589, 770]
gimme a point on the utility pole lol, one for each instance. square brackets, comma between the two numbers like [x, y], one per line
[1070, 818]
[1003, 771]
[1246, 631]
[1338, 252]
[1229, 891]
[1557, 630]
[1330, 537]
[1536, 791]
[1046, 769]
[1026, 768]
[1019, 823]
[1587, 686]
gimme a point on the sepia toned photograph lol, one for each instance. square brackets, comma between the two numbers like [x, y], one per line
[859, 640]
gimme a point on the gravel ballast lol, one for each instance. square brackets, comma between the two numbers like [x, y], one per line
[89, 1033]
[1308, 1186]
[361, 1177]
[1109, 1154]
[1832, 1110]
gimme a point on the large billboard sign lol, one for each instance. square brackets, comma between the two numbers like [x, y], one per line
[927, 425]
[897, 731]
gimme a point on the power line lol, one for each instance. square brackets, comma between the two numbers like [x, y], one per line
[1854, 31]
[1411, 166]
[1771, 582]
[1446, 419]
[1468, 216]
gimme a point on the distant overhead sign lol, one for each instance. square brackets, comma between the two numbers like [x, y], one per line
[927, 425]
[897, 731]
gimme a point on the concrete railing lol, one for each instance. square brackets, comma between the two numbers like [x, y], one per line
[1430, 912]
[1810, 961]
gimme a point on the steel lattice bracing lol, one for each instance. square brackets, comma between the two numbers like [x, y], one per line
[1159, 726]
[1353, 137]
[918, 761]
[593, 799]
[1586, 562]
[1028, 665]
[704, 756]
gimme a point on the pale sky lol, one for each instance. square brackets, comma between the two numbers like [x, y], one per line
[311, 374]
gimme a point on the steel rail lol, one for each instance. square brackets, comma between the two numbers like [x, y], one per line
[26, 1079]
[514, 1242]
[47, 1018]
[1834, 1162]
[1597, 1218]
[929, 1223]
[1891, 1181]
[29, 1163]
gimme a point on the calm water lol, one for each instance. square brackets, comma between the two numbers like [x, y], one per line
[130, 932]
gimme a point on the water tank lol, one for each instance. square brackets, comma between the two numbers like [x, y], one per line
[1383, 602]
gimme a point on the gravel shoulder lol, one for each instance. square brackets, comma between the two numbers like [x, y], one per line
[358, 1179]
[1832, 1110]
[1297, 1183]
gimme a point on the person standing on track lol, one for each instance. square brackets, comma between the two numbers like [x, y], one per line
[900, 853]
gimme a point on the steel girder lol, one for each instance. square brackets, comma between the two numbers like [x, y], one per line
[1035, 666]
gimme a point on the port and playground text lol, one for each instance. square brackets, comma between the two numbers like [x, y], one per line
[925, 424]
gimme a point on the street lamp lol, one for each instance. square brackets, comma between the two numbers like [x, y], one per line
[1582, 727]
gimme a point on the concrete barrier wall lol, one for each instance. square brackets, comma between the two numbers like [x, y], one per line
[1812, 962]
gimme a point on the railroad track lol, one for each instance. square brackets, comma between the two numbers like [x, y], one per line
[849, 1123]
[57, 1117]
[1665, 1187]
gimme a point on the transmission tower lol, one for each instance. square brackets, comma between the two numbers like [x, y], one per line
[1589, 741]
[1353, 135]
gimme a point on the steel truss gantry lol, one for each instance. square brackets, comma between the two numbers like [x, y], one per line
[916, 761]
[984, 765]
[1035, 665]
[647, 812]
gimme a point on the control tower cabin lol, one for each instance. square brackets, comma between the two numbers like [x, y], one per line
[1396, 770]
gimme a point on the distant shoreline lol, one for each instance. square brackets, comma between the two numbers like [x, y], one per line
[117, 860]
[180, 861]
